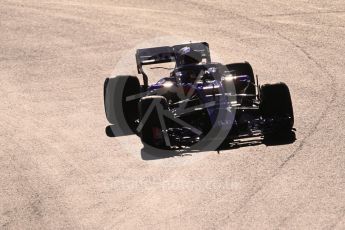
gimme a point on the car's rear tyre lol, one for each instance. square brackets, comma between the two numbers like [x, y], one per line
[119, 110]
[276, 107]
[242, 69]
[150, 128]
[239, 69]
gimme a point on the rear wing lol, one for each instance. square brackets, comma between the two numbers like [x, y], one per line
[164, 54]
[154, 55]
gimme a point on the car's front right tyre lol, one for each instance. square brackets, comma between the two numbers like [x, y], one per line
[122, 110]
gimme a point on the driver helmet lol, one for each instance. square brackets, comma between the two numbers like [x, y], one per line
[189, 56]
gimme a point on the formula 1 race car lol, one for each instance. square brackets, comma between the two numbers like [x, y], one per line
[198, 101]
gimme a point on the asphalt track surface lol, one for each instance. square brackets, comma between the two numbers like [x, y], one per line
[58, 169]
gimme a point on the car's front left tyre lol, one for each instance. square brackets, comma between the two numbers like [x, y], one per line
[276, 108]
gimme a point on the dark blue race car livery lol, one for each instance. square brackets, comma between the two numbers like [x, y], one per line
[200, 103]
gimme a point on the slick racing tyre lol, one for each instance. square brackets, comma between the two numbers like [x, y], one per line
[241, 69]
[243, 87]
[276, 106]
[121, 110]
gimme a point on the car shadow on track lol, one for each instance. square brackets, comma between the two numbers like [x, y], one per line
[154, 154]
[150, 154]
